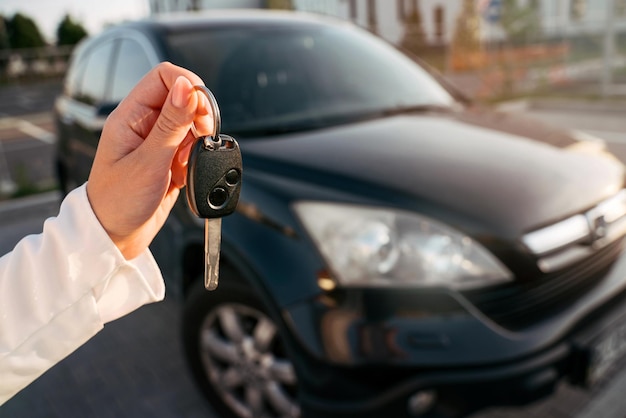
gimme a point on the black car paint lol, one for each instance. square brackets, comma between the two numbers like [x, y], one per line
[449, 162]
[422, 329]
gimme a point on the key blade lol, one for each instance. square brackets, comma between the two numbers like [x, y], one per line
[212, 242]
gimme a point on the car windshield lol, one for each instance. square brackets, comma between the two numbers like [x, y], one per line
[277, 80]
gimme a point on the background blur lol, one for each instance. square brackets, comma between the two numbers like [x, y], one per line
[493, 50]
[498, 47]
[560, 60]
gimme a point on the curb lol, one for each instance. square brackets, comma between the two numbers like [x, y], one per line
[46, 204]
[602, 106]
[568, 105]
[609, 402]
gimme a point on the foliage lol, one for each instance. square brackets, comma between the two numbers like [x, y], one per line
[24, 33]
[4, 34]
[521, 23]
[25, 185]
[466, 37]
[70, 32]
[280, 4]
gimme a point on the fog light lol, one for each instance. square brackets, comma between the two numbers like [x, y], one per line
[421, 402]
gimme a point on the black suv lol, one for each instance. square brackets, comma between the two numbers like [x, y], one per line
[396, 251]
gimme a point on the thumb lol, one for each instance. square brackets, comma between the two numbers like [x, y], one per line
[175, 118]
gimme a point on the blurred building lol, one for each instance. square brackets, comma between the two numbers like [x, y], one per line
[386, 18]
[581, 17]
[438, 18]
[166, 6]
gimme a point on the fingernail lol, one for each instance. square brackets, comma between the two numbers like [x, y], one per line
[180, 92]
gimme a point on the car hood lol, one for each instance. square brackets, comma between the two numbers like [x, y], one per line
[490, 172]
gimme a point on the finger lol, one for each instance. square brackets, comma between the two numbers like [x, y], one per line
[204, 122]
[179, 175]
[142, 107]
[181, 161]
[154, 87]
[204, 108]
[174, 121]
[204, 125]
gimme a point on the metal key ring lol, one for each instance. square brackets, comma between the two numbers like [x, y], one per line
[210, 141]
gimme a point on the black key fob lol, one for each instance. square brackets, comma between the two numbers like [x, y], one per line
[214, 176]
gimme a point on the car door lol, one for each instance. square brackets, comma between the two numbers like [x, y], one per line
[101, 77]
[80, 120]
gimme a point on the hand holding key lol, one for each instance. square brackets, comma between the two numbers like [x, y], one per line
[213, 186]
[141, 162]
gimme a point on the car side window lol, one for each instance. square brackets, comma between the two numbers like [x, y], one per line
[131, 65]
[93, 82]
[74, 76]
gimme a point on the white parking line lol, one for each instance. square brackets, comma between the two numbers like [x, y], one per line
[29, 128]
[35, 131]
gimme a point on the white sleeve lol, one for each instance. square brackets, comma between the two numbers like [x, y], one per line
[58, 288]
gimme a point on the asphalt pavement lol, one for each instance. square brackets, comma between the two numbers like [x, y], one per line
[133, 368]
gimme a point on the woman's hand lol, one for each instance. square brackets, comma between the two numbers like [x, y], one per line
[141, 161]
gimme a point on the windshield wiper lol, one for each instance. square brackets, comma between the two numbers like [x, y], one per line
[306, 124]
[318, 122]
[274, 130]
[421, 108]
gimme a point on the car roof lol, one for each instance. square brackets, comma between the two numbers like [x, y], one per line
[182, 21]
[156, 26]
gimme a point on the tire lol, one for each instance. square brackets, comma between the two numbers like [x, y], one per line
[236, 354]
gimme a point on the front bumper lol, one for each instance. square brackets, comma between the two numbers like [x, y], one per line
[387, 346]
[468, 389]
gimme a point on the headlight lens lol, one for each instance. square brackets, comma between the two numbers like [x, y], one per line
[367, 246]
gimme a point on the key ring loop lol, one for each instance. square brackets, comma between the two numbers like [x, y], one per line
[210, 141]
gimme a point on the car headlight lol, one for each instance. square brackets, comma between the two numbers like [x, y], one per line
[366, 246]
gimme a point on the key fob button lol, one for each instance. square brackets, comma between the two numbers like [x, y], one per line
[232, 177]
[218, 197]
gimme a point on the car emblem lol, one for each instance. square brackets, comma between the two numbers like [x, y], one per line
[598, 227]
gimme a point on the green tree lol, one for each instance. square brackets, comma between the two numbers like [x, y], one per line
[521, 23]
[4, 44]
[24, 33]
[280, 4]
[195, 5]
[4, 34]
[466, 37]
[70, 32]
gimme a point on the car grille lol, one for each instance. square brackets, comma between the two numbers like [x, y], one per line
[562, 244]
[523, 303]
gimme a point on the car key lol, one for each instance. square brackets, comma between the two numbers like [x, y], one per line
[213, 185]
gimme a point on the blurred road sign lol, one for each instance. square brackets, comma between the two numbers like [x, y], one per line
[492, 10]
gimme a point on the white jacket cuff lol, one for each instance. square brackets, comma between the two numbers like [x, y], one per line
[58, 288]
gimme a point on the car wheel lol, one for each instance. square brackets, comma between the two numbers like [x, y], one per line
[236, 354]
